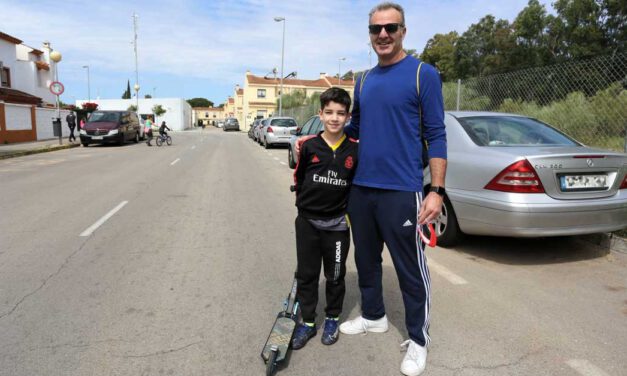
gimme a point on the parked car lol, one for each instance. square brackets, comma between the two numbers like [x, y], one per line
[258, 131]
[251, 130]
[277, 131]
[311, 126]
[231, 124]
[110, 126]
[511, 175]
[220, 124]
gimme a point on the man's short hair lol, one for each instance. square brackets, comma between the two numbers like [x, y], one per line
[385, 6]
[337, 95]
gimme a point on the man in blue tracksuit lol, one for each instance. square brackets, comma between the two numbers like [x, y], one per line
[396, 104]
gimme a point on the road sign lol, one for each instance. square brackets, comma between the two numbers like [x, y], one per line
[57, 88]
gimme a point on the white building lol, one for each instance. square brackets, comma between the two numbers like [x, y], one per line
[178, 115]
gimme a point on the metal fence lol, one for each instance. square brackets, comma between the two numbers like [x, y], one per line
[585, 99]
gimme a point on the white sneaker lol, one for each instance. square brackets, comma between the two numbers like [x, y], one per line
[415, 359]
[361, 325]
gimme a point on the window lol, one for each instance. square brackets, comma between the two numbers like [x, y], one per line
[6, 77]
[305, 128]
[261, 93]
[206, 114]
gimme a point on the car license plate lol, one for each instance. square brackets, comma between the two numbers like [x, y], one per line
[583, 182]
[96, 137]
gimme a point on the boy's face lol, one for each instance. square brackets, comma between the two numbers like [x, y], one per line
[333, 117]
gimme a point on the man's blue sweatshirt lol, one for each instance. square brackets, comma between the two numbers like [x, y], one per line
[386, 120]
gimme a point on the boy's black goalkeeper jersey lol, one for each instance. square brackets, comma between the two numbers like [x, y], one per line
[323, 177]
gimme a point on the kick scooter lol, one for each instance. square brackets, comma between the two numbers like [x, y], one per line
[278, 342]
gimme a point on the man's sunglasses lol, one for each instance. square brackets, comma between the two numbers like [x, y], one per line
[390, 28]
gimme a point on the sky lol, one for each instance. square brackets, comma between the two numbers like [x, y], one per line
[193, 48]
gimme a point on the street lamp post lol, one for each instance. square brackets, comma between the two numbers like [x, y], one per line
[339, 69]
[88, 84]
[136, 87]
[281, 19]
[56, 57]
[369, 55]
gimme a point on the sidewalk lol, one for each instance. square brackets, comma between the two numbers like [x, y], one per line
[26, 148]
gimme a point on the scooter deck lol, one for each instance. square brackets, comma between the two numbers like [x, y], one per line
[280, 336]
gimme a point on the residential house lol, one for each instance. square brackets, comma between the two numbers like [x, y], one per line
[26, 103]
[208, 115]
[260, 95]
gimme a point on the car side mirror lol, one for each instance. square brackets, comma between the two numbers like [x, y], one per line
[295, 132]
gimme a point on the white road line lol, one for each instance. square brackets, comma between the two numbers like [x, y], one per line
[276, 159]
[283, 163]
[175, 161]
[193, 147]
[447, 274]
[585, 368]
[102, 220]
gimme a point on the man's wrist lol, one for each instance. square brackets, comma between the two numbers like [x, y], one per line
[440, 191]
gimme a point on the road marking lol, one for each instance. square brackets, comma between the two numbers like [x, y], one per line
[283, 163]
[102, 220]
[447, 274]
[585, 368]
[193, 147]
[175, 162]
[276, 159]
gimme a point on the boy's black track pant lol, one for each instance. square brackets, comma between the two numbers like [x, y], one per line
[313, 247]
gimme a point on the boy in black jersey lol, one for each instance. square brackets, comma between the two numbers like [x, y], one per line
[323, 176]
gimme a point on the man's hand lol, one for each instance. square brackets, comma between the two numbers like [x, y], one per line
[300, 141]
[430, 209]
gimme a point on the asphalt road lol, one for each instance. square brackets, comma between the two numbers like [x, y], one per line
[175, 261]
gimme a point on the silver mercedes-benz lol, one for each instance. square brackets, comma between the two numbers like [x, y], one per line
[511, 175]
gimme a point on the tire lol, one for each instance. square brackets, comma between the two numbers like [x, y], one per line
[159, 141]
[446, 226]
[266, 145]
[122, 139]
[168, 140]
[271, 364]
[136, 139]
[85, 144]
[290, 158]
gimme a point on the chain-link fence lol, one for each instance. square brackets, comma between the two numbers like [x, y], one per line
[585, 99]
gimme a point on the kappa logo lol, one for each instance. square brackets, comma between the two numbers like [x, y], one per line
[348, 163]
[407, 223]
[315, 159]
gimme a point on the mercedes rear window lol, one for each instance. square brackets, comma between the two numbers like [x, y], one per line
[283, 123]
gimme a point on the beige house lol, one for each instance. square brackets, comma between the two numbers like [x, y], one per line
[259, 96]
[208, 115]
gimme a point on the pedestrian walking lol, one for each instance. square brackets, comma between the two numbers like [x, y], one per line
[71, 123]
[397, 104]
[148, 130]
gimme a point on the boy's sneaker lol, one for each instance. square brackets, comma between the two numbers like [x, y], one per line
[330, 333]
[361, 325]
[415, 359]
[303, 334]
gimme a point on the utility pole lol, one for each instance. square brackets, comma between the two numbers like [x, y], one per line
[136, 87]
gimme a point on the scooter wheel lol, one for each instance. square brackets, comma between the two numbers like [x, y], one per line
[271, 364]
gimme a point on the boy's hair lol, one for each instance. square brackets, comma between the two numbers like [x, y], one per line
[337, 95]
[385, 6]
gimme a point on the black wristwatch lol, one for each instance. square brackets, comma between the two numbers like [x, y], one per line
[438, 190]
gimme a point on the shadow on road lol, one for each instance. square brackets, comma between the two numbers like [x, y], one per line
[524, 251]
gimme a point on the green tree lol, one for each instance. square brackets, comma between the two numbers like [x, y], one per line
[132, 108]
[294, 99]
[200, 102]
[440, 52]
[127, 92]
[614, 24]
[532, 39]
[147, 96]
[158, 110]
[581, 28]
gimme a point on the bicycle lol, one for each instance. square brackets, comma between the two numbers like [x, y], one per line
[161, 138]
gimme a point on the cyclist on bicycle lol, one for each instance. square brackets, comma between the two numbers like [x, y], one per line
[162, 129]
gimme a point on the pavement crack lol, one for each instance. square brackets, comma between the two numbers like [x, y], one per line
[159, 353]
[67, 260]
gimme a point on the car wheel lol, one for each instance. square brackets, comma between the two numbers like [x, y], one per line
[446, 226]
[290, 158]
[136, 139]
[266, 144]
[85, 144]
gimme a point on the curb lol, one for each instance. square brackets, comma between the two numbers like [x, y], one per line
[20, 153]
[608, 241]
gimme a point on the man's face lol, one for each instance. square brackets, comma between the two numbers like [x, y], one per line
[387, 45]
